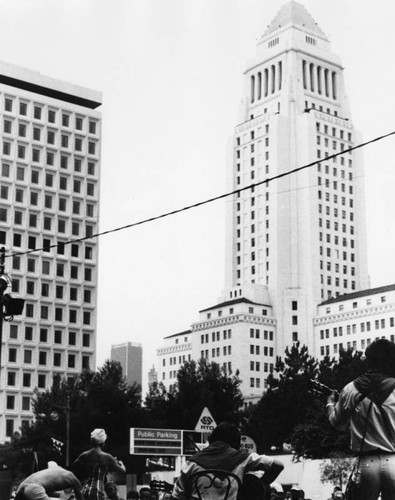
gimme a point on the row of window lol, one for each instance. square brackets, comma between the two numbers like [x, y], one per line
[47, 222]
[365, 326]
[57, 361]
[35, 154]
[252, 136]
[231, 311]
[266, 367]
[65, 161]
[266, 334]
[31, 311]
[44, 336]
[10, 426]
[62, 226]
[326, 129]
[74, 270]
[336, 213]
[173, 360]
[11, 401]
[38, 134]
[63, 183]
[337, 268]
[383, 300]
[326, 351]
[42, 359]
[33, 220]
[37, 112]
[32, 264]
[320, 108]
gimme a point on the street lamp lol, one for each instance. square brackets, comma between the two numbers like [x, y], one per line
[55, 416]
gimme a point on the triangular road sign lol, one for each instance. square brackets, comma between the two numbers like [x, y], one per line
[206, 422]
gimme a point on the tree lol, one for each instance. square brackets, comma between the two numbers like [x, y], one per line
[95, 399]
[290, 412]
[287, 401]
[315, 437]
[336, 470]
[199, 384]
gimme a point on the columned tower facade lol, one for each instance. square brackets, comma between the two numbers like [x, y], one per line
[302, 236]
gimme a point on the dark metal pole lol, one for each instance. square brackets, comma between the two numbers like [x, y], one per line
[68, 431]
[3, 286]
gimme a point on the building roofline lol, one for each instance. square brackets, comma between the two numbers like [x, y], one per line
[361, 293]
[178, 334]
[49, 92]
[234, 301]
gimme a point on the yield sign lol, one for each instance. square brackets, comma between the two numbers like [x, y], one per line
[206, 422]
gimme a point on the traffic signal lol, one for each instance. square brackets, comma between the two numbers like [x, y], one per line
[12, 306]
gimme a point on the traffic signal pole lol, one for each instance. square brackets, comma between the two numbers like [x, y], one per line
[3, 286]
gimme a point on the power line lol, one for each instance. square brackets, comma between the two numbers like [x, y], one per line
[205, 202]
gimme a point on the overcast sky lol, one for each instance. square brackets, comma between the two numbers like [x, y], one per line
[171, 73]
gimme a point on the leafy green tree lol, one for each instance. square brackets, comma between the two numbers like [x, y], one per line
[95, 399]
[315, 437]
[290, 412]
[336, 470]
[199, 384]
[287, 401]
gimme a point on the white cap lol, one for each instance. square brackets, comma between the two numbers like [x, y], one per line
[99, 435]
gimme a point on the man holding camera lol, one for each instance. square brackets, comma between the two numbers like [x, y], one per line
[367, 406]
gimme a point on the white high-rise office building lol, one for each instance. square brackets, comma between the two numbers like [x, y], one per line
[298, 239]
[49, 195]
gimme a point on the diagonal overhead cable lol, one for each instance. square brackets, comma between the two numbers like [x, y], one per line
[209, 200]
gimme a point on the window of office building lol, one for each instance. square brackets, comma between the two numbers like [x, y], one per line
[43, 335]
[18, 217]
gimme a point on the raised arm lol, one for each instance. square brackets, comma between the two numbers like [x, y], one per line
[118, 466]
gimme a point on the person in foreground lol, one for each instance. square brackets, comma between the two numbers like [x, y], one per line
[44, 483]
[98, 464]
[223, 453]
[367, 406]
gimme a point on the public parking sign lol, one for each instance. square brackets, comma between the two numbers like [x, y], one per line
[155, 441]
[163, 442]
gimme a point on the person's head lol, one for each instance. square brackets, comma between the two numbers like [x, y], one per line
[111, 490]
[296, 493]
[380, 355]
[226, 432]
[132, 495]
[98, 437]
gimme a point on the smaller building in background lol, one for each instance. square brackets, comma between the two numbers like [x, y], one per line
[152, 375]
[177, 349]
[130, 356]
[354, 320]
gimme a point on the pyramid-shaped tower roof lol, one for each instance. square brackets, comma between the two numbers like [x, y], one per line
[296, 14]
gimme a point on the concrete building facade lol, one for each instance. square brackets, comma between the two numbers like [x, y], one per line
[176, 350]
[130, 356]
[49, 206]
[355, 320]
[296, 225]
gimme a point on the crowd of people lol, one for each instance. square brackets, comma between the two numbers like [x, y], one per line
[366, 406]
